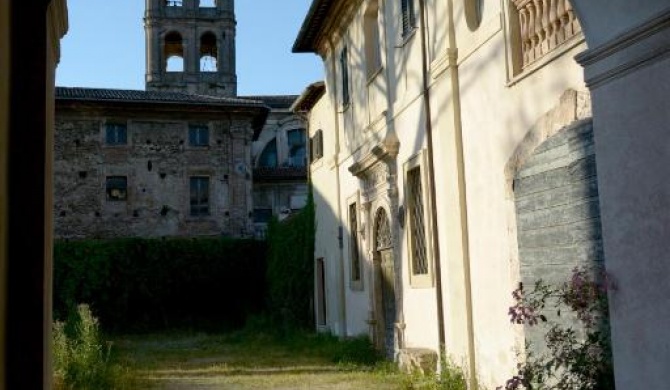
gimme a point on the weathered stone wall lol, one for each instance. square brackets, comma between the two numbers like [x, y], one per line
[558, 212]
[158, 163]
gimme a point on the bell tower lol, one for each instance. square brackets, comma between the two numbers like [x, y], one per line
[190, 46]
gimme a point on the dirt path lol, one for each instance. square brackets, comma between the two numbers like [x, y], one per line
[207, 362]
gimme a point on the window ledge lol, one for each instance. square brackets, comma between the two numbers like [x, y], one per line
[407, 37]
[548, 58]
[373, 75]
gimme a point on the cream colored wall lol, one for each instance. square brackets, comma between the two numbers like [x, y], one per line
[496, 114]
[388, 102]
[487, 115]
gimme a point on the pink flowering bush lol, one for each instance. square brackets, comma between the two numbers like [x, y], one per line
[578, 358]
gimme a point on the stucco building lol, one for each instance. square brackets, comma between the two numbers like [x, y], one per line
[454, 159]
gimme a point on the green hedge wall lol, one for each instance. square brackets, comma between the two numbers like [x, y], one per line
[152, 284]
[291, 269]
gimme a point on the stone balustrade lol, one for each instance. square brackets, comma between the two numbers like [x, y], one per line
[544, 25]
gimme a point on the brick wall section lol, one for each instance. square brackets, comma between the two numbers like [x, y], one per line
[558, 216]
[158, 163]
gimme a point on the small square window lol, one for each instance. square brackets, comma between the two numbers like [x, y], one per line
[199, 196]
[117, 188]
[198, 135]
[116, 134]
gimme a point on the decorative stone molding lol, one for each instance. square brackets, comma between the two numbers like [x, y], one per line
[386, 151]
[543, 26]
[641, 46]
[572, 106]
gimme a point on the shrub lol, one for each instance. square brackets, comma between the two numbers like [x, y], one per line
[151, 284]
[578, 358]
[81, 359]
[290, 273]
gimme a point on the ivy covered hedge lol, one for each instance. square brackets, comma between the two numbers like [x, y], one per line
[151, 284]
[291, 269]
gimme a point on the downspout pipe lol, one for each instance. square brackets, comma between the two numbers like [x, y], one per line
[431, 176]
[455, 92]
[462, 193]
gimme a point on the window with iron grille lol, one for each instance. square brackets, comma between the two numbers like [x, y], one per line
[199, 195]
[417, 226]
[408, 17]
[198, 135]
[353, 244]
[344, 66]
[117, 188]
[116, 134]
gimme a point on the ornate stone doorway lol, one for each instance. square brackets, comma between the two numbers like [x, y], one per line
[385, 287]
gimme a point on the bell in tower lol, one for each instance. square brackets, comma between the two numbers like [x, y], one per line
[190, 46]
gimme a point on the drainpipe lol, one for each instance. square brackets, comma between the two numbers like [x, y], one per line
[455, 93]
[462, 185]
[340, 228]
[431, 176]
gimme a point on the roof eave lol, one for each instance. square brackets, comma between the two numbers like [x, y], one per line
[312, 26]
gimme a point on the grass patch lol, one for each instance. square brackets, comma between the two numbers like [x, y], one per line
[254, 360]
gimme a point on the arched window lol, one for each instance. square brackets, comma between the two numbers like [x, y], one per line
[207, 3]
[208, 52]
[269, 156]
[174, 52]
[297, 148]
[373, 59]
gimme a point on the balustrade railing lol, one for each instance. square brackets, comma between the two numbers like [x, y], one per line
[544, 25]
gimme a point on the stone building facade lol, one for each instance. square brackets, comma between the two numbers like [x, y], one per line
[148, 164]
[181, 158]
[280, 163]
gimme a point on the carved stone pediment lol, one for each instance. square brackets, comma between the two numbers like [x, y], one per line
[377, 169]
[384, 151]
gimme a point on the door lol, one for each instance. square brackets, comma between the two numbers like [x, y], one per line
[386, 282]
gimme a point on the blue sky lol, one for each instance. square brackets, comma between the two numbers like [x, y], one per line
[105, 46]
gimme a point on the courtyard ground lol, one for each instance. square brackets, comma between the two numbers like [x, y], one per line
[253, 361]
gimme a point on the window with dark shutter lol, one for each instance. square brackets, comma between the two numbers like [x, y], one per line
[344, 66]
[408, 17]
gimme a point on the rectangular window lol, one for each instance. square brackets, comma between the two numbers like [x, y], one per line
[344, 66]
[321, 311]
[116, 134]
[117, 188]
[417, 227]
[373, 59]
[417, 222]
[262, 215]
[198, 135]
[354, 247]
[296, 147]
[199, 195]
[317, 145]
[408, 17]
